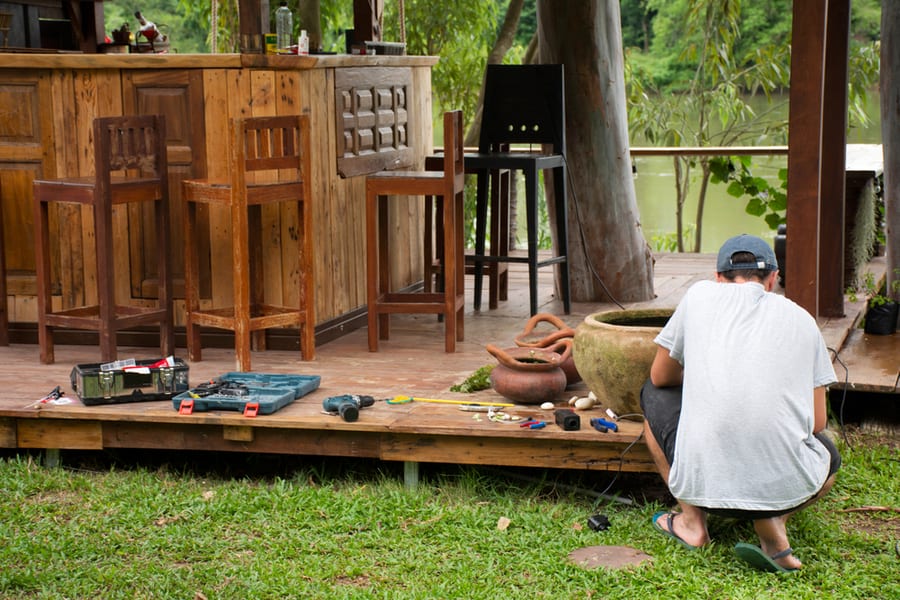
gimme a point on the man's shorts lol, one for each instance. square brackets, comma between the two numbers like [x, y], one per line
[662, 410]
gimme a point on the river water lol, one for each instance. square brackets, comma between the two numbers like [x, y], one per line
[724, 215]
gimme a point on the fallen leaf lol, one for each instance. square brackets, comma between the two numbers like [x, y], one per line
[503, 523]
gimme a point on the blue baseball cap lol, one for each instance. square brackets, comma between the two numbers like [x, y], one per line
[758, 247]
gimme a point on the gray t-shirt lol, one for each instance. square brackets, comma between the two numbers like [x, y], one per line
[745, 437]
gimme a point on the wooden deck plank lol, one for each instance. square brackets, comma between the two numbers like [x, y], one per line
[412, 362]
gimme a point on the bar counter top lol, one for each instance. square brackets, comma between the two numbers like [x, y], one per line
[32, 60]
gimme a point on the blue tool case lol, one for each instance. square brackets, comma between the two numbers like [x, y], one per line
[252, 393]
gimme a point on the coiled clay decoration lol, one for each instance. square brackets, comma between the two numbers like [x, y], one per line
[530, 375]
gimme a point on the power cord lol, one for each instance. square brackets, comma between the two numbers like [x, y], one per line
[843, 398]
[622, 456]
[581, 235]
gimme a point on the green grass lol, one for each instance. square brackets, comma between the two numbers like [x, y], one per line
[349, 529]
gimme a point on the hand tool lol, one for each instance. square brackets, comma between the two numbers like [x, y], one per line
[405, 399]
[597, 423]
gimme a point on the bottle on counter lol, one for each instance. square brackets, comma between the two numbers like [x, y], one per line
[303, 43]
[284, 26]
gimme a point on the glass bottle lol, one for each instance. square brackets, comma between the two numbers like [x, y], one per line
[284, 26]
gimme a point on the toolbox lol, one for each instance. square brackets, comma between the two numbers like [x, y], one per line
[141, 381]
[251, 393]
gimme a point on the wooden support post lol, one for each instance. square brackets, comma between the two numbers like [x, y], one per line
[832, 180]
[817, 156]
[367, 20]
[804, 153]
[253, 21]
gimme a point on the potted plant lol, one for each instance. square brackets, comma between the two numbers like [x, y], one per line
[881, 309]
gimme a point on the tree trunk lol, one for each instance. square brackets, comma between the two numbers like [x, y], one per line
[606, 240]
[890, 133]
[309, 18]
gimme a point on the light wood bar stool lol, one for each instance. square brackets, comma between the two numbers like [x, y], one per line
[270, 164]
[4, 311]
[130, 166]
[385, 186]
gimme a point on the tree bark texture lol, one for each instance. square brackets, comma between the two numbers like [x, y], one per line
[607, 248]
[890, 132]
[309, 16]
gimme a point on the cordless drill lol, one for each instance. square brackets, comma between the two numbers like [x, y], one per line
[347, 405]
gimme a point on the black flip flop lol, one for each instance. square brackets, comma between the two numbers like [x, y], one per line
[669, 530]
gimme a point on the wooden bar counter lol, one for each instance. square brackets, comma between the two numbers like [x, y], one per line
[367, 113]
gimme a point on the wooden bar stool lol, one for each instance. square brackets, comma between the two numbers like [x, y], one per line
[270, 164]
[4, 311]
[523, 104]
[130, 166]
[497, 272]
[384, 186]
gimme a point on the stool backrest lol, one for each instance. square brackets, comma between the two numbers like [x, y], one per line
[454, 167]
[523, 104]
[131, 143]
[271, 142]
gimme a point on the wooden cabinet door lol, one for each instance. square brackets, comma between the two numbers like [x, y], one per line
[177, 94]
[26, 127]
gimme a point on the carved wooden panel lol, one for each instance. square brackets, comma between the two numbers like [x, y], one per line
[372, 115]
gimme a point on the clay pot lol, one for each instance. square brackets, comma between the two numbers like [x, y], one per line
[530, 375]
[527, 339]
[613, 351]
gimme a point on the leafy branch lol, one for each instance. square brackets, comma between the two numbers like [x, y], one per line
[766, 200]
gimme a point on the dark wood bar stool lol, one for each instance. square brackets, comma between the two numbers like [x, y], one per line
[385, 186]
[523, 104]
[130, 166]
[497, 272]
[270, 164]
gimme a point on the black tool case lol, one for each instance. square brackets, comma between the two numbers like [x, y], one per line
[262, 393]
[95, 386]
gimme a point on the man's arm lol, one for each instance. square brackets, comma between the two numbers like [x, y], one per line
[665, 370]
[820, 414]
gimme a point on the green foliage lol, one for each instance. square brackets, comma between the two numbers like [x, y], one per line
[875, 291]
[479, 380]
[186, 29]
[766, 200]
[461, 33]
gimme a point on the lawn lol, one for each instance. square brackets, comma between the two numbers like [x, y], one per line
[163, 525]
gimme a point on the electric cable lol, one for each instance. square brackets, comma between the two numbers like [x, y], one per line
[843, 398]
[581, 235]
[621, 457]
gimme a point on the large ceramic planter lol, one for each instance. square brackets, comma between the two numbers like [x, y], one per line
[613, 352]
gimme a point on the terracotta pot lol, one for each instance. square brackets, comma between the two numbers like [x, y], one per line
[613, 351]
[530, 375]
[528, 339]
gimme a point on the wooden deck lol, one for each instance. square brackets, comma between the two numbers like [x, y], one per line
[411, 363]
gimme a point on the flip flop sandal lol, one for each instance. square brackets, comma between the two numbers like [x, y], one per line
[754, 556]
[669, 529]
